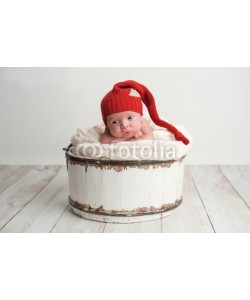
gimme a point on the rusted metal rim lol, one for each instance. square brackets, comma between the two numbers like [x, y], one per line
[100, 162]
[131, 213]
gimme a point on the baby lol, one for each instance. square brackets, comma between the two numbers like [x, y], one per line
[122, 114]
[126, 126]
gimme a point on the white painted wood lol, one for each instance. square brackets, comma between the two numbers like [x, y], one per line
[191, 215]
[10, 174]
[239, 177]
[70, 222]
[121, 219]
[45, 209]
[128, 189]
[149, 227]
[226, 209]
[16, 196]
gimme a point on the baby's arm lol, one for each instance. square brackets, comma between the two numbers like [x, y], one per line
[107, 138]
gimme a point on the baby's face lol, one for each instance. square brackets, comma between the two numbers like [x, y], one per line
[124, 123]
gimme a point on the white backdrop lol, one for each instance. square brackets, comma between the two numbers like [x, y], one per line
[41, 108]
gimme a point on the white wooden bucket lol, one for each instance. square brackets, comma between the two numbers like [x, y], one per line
[124, 191]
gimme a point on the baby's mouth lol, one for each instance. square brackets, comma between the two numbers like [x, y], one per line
[125, 132]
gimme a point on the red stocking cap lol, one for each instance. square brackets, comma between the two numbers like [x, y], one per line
[120, 99]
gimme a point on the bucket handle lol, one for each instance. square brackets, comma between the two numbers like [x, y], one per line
[67, 149]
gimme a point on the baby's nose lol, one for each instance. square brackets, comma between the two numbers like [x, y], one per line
[124, 124]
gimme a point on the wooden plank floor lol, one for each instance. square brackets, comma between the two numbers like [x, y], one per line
[35, 199]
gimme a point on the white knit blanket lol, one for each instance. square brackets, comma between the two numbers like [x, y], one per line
[164, 146]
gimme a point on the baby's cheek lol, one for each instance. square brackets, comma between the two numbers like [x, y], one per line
[114, 129]
[115, 132]
[138, 125]
[111, 128]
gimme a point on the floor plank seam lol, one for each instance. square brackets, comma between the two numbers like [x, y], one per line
[67, 207]
[30, 199]
[202, 202]
[233, 187]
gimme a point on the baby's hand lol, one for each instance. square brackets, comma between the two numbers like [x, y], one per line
[138, 134]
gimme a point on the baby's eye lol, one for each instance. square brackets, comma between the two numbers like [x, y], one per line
[115, 122]
[131, 117]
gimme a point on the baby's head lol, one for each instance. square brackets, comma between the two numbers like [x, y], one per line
[124, 123]
[122, 110]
